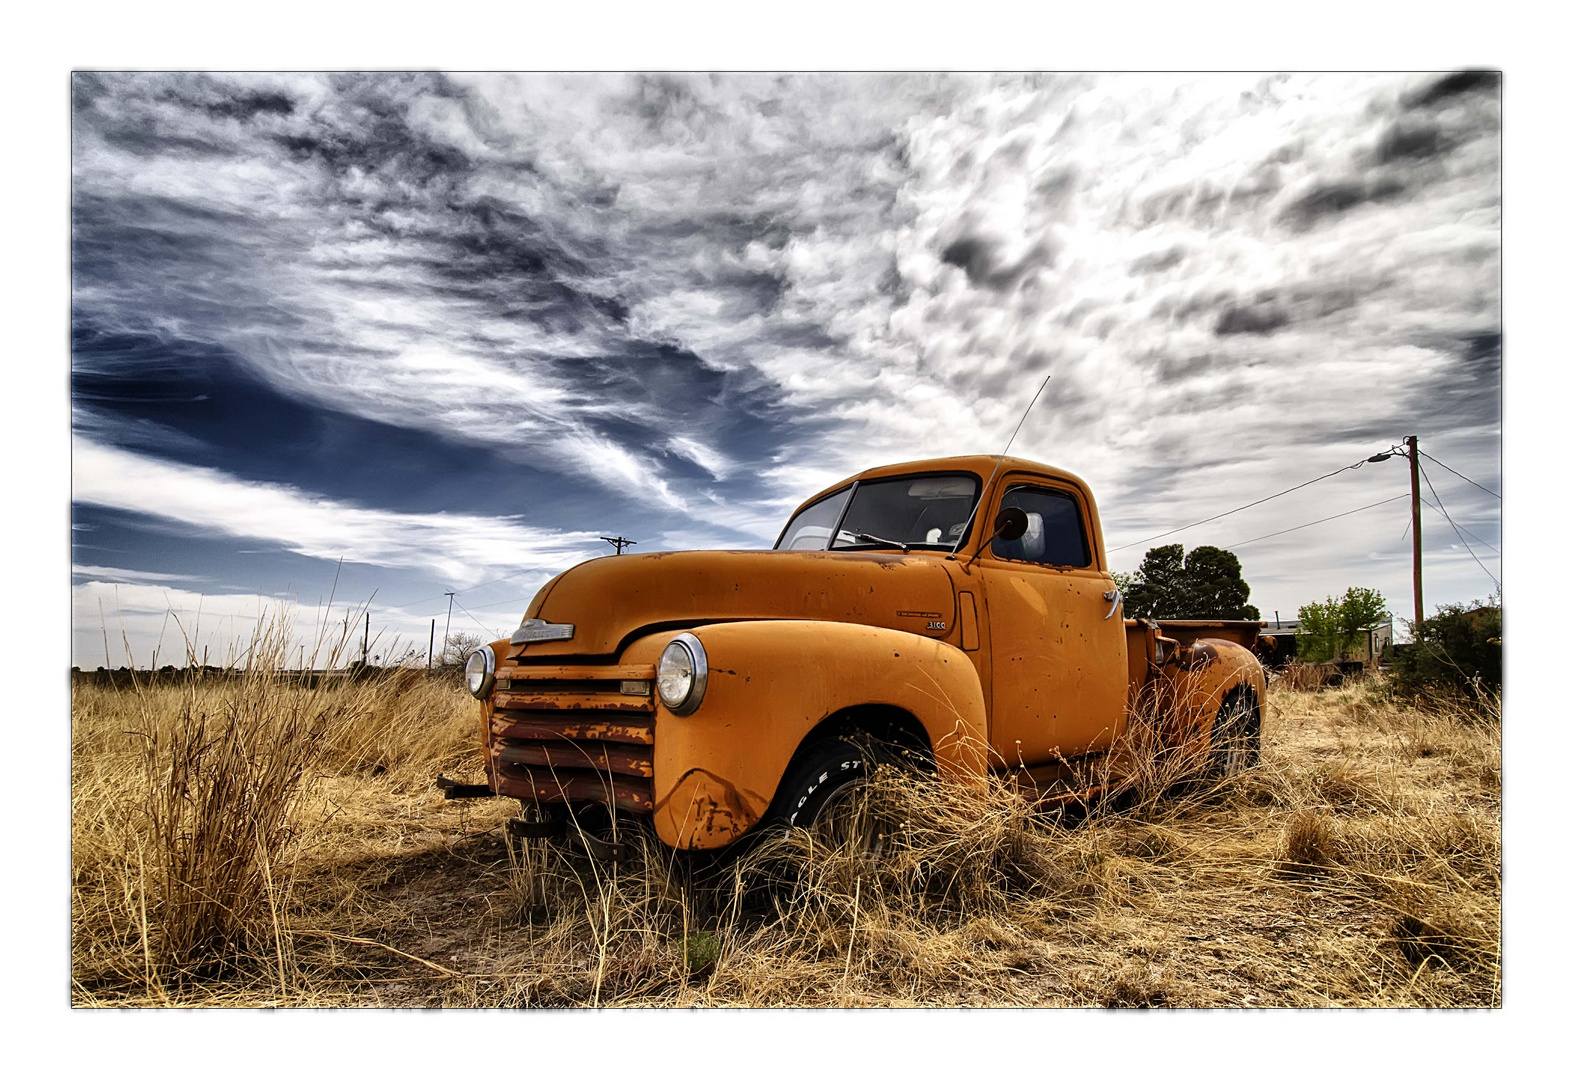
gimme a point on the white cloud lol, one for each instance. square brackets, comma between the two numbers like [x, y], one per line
[112, 573]
[461, 548]
[708, 458]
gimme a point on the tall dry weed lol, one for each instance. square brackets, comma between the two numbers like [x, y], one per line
[189, 809]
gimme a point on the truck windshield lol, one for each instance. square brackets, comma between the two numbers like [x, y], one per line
[911, 511]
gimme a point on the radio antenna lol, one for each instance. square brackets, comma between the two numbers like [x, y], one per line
[998, 462]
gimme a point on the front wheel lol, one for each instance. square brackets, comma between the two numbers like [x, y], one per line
[827, 792]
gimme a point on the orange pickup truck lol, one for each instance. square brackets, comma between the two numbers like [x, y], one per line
[960, 609]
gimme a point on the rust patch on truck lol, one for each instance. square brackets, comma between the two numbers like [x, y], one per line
[709, 810]
[508, 724]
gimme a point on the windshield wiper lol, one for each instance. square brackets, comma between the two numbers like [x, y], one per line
[871, 538]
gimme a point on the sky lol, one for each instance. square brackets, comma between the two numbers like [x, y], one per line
[378, 337]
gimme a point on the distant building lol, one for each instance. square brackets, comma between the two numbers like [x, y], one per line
[1279, 643]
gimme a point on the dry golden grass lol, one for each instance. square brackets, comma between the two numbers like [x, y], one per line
[1359, 864]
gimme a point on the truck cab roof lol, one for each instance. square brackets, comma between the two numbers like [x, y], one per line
[980, 464]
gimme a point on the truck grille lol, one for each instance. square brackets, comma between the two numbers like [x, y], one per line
[568, 735]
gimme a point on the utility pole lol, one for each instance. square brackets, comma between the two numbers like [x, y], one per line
[619, 542]
[1413, 442]
[365, 641]
[431, 643]
[447, 626]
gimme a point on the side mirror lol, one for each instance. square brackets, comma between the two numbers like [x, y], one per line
[1011, 524]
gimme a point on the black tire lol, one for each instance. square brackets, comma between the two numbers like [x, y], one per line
[1235, 743]
[824, 778]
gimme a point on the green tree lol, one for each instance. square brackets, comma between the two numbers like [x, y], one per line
[1213, 586]
[1155, 593]
[1453, 649]
[1331, 629]
[1206, 584]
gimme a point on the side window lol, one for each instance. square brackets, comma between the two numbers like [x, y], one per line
[1054, 537]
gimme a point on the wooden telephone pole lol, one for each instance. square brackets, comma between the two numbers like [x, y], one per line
[446, 627]
[1413, 442]
[619, 542]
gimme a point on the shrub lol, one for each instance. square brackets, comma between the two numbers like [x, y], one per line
[1457, 649]
[1308, 843]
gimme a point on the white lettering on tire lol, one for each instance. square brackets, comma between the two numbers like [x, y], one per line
[854, 763]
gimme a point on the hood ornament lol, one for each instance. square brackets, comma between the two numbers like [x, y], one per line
[540, 630]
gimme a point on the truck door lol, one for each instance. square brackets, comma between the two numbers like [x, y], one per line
[1059, 679]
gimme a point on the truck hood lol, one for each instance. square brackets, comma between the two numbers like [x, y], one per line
[612, 599]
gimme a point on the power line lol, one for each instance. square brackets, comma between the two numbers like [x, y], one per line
[1318, 521]
[477, 622]
[1460, 535]
[513, 600]
[510, 577]
[967, 525]
[1247, 506]
[422, 600]
[506, 577]
[1461, 476]
[473, 588]
[1479, 541]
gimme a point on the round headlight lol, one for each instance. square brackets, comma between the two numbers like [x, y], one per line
[681, 674]
[480, 671]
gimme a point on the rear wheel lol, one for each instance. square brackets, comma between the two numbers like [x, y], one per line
[1236, 740]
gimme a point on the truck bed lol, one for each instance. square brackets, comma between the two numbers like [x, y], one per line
[1148, 642]
[1240, 631]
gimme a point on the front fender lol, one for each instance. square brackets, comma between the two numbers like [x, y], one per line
[1209, 669]
[770, 684]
